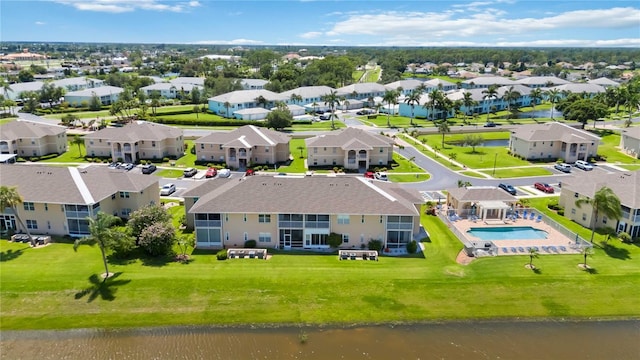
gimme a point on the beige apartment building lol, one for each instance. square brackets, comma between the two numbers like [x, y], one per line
[625, 185]
[245, 146]
[298, 212]
[553, 141]
[350, 148]
[136, 141]
[58, 200]
[630, 141]
[27, 138]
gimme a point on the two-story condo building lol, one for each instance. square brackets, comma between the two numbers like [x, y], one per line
[107, 95]
[553, 140]
[171, 91]
[228, 104]
[136, 141]
[27, 138]
[630, 141]
[244, 146]
[296, 212]
[58, 200]
[625, 185]
[350, 148]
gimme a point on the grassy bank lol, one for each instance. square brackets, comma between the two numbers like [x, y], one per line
[55, 287]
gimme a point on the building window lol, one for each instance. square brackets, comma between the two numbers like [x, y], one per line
[246, 236]
[124, 194]
[604, 219]
[315, 150]
[264, 218]
[343, 219]
[345, 238]
[113, 197]
[244, 217]
[584, 217]
[266, 149]
[32, 224]
[153, 144]
[201, 146]
[381, 150]
[28, 206]
[362, 219]
[125, 212]
[46, 207]
[573, 211]
[264, 237]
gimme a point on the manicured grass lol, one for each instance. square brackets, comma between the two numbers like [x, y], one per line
[631, 167]
[356, 75]
[609, 147]
[297, 164]
[7, 120]
[169, 173]
[188, 159]
[403, 165]
[72, 155]
[408, 177]
[373, 75]
[54, 287]
[518, 172]
[472, 174]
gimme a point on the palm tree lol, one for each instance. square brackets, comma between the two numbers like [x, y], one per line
[295, 98]
[604, 202]
[586, 252]
[632, 103]
[511, 96]
[468, 102]
[77, 140]
[262, 101]
[227, 105]
[412, 100]
[333, 100]
[10, 198]
[535, 95]
[533, 254]
[391, 98]
[301, 148]
[490, 93]
[315, 108]
[435, 97]
[103, 234]
[553, 95]
[443, 128]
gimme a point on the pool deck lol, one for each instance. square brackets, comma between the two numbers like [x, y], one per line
[555, 240]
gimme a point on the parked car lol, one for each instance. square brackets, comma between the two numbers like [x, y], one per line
[128, 166]
[211, 172]
[167, 189]
[369, 175]
[490, 124]
[365, 112]
[224, 173]
[148, 169]
[380, 175]
[114, 165]
[544, 187]
[189, 172]
[563, 167]
[581, 164]
[326, 116]
[250, 172]
[508, 188]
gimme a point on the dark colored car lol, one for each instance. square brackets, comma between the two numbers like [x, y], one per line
[490, 124]
[508, 188]
[148, 169]
[544, 187]
[211, 172]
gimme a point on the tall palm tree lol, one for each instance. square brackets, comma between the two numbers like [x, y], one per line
[333, 100]
[468, 103]
[391, 98]
[315, 108]
[10, 198]
[490, 93]
[511, 96]
[535, 95]
[533, 254]
[295, 98]
[262, 101]
[586, 252]
[227, 105]
[553, 95]
[443, 128]
[103, 234]
[604, 202]
[435, 97]
[78, 140]
[412, 100]
[632, 103]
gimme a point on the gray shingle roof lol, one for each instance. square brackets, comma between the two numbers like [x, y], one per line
[542, 80]
[604, 82]
[21, 129]
[580, 88]
[408, 84]
[308, 92]
[303, 195]
[480, 193]
[625, 185]
[490, 80]
[633, 132]
[188, 80]
[248, 96]
[344, 137]
[136, 131]
[250, 134]
[168, 86]
[52, 184]
[98, 91]
[552, 131]
[362, 88]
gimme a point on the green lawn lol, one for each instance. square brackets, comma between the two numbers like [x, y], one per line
[356, 75]
[609, 147]
[169, 173]
[403, 165]
[72, 155]
[54, 287]
[631, 167]
[408, 177]
[297, 164]
[518, 172]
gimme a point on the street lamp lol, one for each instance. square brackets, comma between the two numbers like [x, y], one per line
[495, 159]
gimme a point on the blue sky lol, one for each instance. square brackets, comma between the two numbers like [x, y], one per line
[342, 23]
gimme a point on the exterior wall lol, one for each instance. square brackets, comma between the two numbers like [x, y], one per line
[143, 149]
[360, 232]
[553, 149]
[630, 145]
[50, 144]
[188, 203]
[50, 218]
[210, 152]
[76, 100]
[122, 206]
[325, 156]
[255, 155]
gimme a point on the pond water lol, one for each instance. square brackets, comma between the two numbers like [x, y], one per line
[453, 340]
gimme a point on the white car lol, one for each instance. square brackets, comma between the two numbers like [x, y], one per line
[224, 173]
[581, 164]
[380, 175]
[167, 189]
[563, 167]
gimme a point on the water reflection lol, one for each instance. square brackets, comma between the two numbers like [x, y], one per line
[491, 340]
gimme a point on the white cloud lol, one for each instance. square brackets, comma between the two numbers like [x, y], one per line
[229, 42]
[40, 23]
[311, 35]
[122, 6]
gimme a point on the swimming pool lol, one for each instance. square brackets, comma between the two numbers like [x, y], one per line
[508, 233]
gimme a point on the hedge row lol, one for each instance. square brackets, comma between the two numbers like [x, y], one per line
[161, 120]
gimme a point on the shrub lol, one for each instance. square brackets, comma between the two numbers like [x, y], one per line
[375, 245]
[157, 239]
[165, 159]
[412, 247]
[561, 212]
[222, 254]
[624, 237]
[250, 244]
[144, 217]
[334, 240]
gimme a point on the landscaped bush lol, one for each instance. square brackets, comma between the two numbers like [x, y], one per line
[165, 159]
[157, 239]
[375, 245]
[222, 254]
[334, 240]
[412, 247]
[561, 212]
[625, 237]
[250, 244]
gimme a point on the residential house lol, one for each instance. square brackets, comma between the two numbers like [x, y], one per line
[541, 81]
[483, 82]
[171, 91]
[625, 185]
[253, 84]
[227, 104]
[604, 82]
[439, 84]
[362, 91]
[71, 195]
[107, 95]
[181, 81]
[136, 141]
[484, 202]
[78, 83]
[589, 89]
[15, 90]
[630, 141]
[312, 97]
[350, 148]
[551, 141]
[27, 138]
[298, 212]
[407, 85]
[245, 146]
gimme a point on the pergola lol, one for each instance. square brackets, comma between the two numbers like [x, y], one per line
[492, 209]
